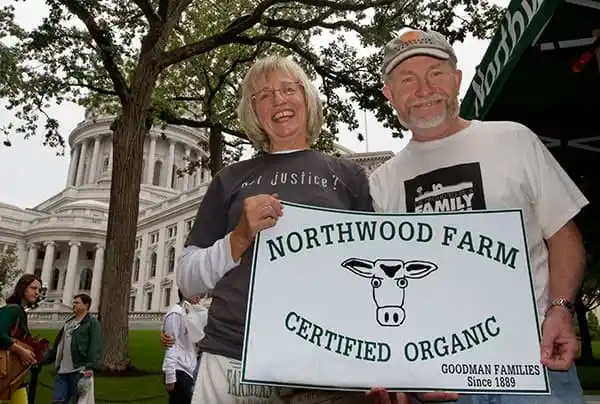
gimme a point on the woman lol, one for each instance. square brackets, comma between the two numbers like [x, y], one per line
[281, 113]
[13, 326]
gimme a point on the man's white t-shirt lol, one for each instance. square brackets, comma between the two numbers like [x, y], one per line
[488, 165]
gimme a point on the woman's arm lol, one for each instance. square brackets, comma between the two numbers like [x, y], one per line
[206, 257]
[9, 316]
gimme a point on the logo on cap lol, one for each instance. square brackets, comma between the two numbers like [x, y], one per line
[409, 36]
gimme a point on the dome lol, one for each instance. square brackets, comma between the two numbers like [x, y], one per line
[84, 204]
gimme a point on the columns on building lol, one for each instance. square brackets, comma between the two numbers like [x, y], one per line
[150, 160]
[81, 164]
[97, 277]
[94, 162]
[48, 262]
[170, 164]
[31, 258]
[73, 166]
[186, 177]
[71, 272]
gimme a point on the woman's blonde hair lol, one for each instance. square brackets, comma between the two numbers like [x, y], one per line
[247, 115]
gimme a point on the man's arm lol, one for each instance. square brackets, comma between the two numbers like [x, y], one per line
[171, 327]
[95, 348]
[566, 261]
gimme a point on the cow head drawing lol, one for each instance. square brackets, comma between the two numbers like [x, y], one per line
[389, 279]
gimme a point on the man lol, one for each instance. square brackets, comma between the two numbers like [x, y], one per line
[493, 165]
[77, 353]
[182, 328]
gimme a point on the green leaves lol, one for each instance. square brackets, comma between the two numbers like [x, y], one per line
[9, 270]
[90, 52]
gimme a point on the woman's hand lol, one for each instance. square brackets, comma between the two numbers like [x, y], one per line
[166, 340]
[26, 355]
[258, 213]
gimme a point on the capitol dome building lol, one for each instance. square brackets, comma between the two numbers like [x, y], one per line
[62, 239]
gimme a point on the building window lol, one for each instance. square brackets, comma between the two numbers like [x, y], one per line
[154, 238]
[189, 225]
[156, 174]
[55, 279]
[167, 297]
[138, 243]
[132, 304]
[172, 231]
[171, 257]
[148, 301]
[38, 272]
[85, 280]
[136, 270]
[153, 263]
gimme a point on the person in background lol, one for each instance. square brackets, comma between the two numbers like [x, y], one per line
[14, 328]
[77, 354]
[281, 112]
[181, 355]
[497, 165]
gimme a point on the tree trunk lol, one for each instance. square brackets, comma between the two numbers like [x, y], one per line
[129, 134]
[216, 146]
[584, 330]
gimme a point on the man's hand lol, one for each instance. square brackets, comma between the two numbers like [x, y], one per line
[166, 340]
[559, 342]
[170, 387]
[87, 373]
[381, 396]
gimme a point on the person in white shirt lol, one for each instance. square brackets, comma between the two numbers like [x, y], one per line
[180, 360]
[455, 164]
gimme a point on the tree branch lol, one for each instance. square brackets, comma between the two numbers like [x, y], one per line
[316, 22]
[93, 88]
[163, 9]
[105, 47]
[344, 79]
[343, 6]
[246, 22]
[148, 11]
[223, 38]
[192, 123]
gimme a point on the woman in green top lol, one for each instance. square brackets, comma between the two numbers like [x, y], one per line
[13, 324]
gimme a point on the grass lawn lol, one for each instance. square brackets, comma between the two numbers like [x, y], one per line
[147, 354]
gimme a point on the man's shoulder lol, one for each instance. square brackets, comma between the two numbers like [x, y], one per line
[505, 129]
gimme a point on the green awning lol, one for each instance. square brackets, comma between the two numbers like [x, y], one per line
[528, 74]
[522, 24]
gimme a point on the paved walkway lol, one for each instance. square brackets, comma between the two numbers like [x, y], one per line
[592, 399]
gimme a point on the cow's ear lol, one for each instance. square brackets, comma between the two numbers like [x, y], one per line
[419, 269]
[359, 266]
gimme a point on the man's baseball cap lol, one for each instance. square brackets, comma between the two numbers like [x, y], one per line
[413, 43]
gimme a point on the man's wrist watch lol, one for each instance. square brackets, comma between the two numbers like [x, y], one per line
[562, 302]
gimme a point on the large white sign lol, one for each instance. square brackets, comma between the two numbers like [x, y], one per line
[414, 302]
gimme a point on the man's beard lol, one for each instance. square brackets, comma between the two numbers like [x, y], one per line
[450, 112]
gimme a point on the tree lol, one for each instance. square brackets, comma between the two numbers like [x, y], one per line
[9, 271]
[594, 325]
[127, 51]
[587, 300]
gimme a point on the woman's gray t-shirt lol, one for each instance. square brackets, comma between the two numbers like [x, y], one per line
[308, 177]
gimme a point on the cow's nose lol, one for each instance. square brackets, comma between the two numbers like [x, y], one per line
[390, 316]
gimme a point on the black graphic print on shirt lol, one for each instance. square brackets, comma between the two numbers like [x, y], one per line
[454, 188]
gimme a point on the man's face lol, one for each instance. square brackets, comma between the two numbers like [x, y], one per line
[78, 305]
[424, 92]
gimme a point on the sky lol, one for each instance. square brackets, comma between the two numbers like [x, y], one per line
[31, 173]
